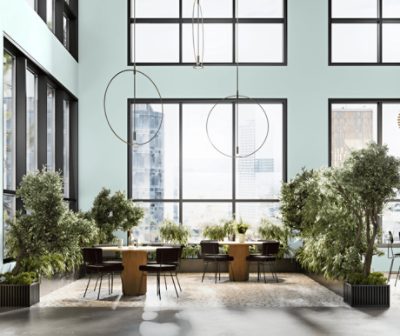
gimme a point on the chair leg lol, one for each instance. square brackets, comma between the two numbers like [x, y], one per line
[112, 282]
[216, 272]
[177, 280]
[173, 281]
[87, 286]
[258, 271]
[109, 283]
[390, 271]
[205, 269]
[97, 280]
[397, 277]
[165, 282]
[101, 280]
[263, 266]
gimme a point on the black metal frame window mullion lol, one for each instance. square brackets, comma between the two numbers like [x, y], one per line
[379, 21]
[181, 21]
[181, 200]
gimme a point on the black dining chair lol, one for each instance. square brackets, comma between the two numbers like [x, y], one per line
[210, 254]
[167, 261]
[267, 257]
[94, 264]
[391, 255]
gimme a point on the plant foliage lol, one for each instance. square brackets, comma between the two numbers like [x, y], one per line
[174, 233]
[270, 231]
[214, 232]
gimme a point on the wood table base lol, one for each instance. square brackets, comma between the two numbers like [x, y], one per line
[238, 268]
[134, 281]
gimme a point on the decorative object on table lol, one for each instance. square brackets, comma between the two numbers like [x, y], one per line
[270, 231]
[238, 99]
[241, 228]
[120, 242]
[44, 238]
[269, 255]
[210, 254]
[133, 140]
[94, 264]
[336, 213]
[114, 212]
[198, 34]
[167, 260]
[173, 233]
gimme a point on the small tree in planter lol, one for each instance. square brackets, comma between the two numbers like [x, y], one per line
[46, 237]
[114, 212]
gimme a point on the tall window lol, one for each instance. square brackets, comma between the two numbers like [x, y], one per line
[50, 14]
[31, 121]
[66, 150]
[168, 24]
[356, 123]
[9, 135]
[364, 31]
[51, 127]
[181, 176]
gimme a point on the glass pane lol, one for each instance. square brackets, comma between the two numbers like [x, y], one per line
[31, 121]
[51, 117]
[391, 221]
[260, 176]
[155, 166]
[260, 8]
[155, 214]
[66, 24]
[8, 121]
[210, 8]
[66, 148]
[164, 46]
[217, 43]
[353, 127]
[354, 8]
[252, 213]
[260, 43]
[391, 8]
[50, 13]
[391, 128]
[207, 174]
[198, 215]
[155, 8]
[391, 45]
[8, 213]
[354, 43]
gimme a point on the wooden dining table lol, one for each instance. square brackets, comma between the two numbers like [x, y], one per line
[134, 281]
[239, 267]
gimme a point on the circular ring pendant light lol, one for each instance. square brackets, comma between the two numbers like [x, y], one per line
[133, 142]
[198, 34]
[238, 97]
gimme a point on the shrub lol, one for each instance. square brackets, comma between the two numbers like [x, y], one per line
[375, 278]
[270, 231]
[23, 278]
[174, 233]
[214, 232]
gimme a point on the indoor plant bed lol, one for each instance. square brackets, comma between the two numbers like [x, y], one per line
[19, 291]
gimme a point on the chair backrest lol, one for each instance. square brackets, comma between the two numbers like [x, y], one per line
[270, 248]
[92, 255]
[168, 255]
[209, 247]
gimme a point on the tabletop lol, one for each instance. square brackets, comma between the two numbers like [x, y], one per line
[237, 243]
[131, 248]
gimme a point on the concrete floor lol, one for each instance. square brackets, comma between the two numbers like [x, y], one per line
[246, 318]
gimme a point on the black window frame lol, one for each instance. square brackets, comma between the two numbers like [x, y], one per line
[60, 9]
[379, 21]
[22, 63]
[180, 21]
[194, 101]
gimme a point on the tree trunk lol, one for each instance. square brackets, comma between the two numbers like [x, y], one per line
[368, 259]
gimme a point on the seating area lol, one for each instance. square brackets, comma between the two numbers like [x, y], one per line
[200, 167]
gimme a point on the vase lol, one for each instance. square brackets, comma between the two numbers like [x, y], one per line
[241, 237]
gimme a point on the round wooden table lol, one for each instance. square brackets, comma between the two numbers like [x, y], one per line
[134, 281]
[239, 267]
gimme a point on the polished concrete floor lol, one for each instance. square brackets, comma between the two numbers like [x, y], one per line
[190, 316]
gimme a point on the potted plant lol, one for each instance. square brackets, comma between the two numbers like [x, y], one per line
[173, 233]
[335, 212]
[230, 228]
[112, 213]
[44, 238]
[270, 231]
[214, 232]
[241, 228]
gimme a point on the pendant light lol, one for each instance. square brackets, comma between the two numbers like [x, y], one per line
[133, 142]
[238, 98]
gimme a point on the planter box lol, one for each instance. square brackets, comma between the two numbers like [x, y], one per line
[19, 295]
[367, 295]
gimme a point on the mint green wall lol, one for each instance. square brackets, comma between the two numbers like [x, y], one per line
[20, 24]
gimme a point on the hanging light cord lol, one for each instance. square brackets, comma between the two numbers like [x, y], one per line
[134, 71]
[197, 40]
[237, 77]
